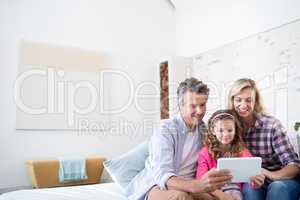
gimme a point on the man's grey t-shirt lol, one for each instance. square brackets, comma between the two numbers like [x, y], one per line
[189, 156]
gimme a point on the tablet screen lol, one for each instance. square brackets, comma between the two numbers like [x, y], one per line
[241, 168]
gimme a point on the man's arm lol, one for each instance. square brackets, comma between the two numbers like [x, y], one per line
[212, 180]
[162, 158]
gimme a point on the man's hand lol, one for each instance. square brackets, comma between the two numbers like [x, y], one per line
[212, 180]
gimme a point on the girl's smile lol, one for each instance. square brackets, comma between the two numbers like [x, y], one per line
[224, 130]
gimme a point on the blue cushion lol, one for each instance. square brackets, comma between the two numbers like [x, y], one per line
[125, 167]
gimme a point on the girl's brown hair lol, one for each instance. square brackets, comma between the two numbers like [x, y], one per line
[214, 146]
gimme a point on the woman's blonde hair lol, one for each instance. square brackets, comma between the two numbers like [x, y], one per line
[211, 141]
[242, 84]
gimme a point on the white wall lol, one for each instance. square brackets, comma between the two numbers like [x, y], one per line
[137, 34]
[202, 25]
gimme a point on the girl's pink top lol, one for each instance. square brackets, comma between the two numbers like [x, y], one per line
[207, 162]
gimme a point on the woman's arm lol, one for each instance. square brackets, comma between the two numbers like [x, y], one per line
[286, 153]
[287, 172]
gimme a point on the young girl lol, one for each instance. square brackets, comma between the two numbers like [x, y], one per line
[223, 139]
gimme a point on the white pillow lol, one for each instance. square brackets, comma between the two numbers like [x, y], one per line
[125, 167]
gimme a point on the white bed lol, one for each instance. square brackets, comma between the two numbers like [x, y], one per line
[104, 191]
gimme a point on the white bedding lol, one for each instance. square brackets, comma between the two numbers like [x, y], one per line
[104, 191]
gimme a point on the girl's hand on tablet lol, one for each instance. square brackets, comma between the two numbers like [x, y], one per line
[257, 181]
[269, 174]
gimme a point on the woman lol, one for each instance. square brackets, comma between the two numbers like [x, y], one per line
[265, 137]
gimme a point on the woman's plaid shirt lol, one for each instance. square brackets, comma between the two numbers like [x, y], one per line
[268, 139]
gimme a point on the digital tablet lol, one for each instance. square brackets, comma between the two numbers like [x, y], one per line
[241, 168]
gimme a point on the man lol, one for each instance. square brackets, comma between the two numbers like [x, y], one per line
[170, 168]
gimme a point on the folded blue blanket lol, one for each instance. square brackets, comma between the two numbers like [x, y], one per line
[72, 169]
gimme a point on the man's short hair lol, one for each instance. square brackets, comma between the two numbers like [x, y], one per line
[190, 85]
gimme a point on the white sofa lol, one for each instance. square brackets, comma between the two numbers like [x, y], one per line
[104, 191]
